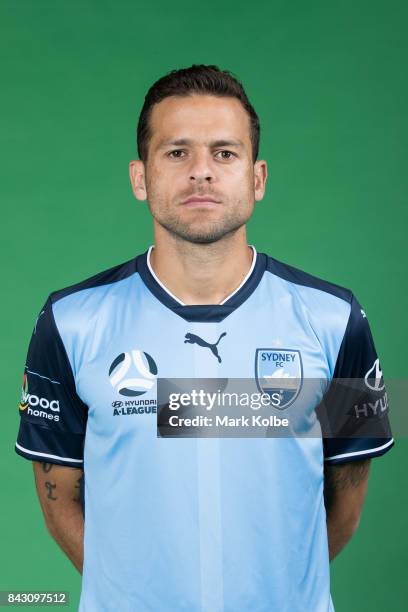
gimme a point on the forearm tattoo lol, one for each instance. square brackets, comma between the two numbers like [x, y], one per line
[77, 496]
[50, 488]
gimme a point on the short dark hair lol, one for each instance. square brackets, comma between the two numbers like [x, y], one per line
[197, 79]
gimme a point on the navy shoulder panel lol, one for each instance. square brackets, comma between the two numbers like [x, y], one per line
[298, 277]
[106, 277]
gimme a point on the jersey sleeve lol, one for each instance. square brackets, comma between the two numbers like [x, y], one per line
[52, 416]
[354, 410]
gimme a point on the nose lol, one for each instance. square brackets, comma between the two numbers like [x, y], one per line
[201, 169]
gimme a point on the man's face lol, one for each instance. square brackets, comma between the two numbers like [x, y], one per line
[200, 148]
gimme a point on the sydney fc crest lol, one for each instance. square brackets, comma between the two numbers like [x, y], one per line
[279, 371]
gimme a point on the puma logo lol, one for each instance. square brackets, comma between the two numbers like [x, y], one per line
[193, 339]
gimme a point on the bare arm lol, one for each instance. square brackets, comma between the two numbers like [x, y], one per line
[345, 488]
[58, 492]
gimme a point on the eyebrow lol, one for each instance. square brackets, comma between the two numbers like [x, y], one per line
[213, 144]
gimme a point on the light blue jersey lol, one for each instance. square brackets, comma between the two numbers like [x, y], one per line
[194, 524]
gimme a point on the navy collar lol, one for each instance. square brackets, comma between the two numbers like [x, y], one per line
[206, 313]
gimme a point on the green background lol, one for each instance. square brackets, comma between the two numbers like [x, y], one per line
[328, 80]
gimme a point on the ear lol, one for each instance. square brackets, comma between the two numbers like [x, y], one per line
[137, 179]
[260, 176]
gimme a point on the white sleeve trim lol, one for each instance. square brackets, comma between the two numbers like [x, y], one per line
[37, 454]
[362, 452]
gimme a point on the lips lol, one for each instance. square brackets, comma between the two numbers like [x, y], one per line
[200, 200]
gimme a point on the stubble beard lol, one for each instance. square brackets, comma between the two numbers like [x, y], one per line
[201, 231]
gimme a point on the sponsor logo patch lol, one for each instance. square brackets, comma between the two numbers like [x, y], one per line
[374, 377]
[34, 405]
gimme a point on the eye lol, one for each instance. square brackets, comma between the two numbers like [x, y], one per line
[176, 154]
[226, 155]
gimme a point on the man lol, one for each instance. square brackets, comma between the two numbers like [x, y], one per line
[198, 523]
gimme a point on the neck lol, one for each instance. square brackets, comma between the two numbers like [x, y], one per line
[202, 273]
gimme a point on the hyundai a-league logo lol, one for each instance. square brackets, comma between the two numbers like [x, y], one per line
[279, 371]
[133, 373]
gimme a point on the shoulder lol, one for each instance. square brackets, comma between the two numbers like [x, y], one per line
[96, 282]
[303, 279]
[331, 308]
[79, 308]
[329, 311]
